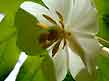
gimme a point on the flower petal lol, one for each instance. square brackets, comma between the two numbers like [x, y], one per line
[68, 8]
[75, 63]
[36, 10]
[55, 4]
[60, 62]
[82, 17]
[91, 49]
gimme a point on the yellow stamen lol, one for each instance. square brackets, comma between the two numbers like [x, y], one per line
[42, 25]
[62, 25]
[50, 19]
[60, 16]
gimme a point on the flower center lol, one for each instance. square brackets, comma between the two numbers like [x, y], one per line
[55, 34]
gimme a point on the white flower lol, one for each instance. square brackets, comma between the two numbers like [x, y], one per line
[77, 18]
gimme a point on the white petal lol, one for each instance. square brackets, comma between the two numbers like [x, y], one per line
[75, 63]
[82, 17]
[88, 23]
[68, 8]
[55, 4]
[36, 10]
[60, 62]
[91, 48]
[88, 42]
[76, 47]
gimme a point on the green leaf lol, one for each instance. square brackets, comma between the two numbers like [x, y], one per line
[103, 68]
[37, 68]
[28, 33]
[83, 75]
[8, 56]
[103, 17]
[28, 40]
[102, 6]
[47, 67]
[8, 50]
[28, 71]
[102, 71]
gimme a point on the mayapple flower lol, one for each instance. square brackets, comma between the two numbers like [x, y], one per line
[70, 40]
